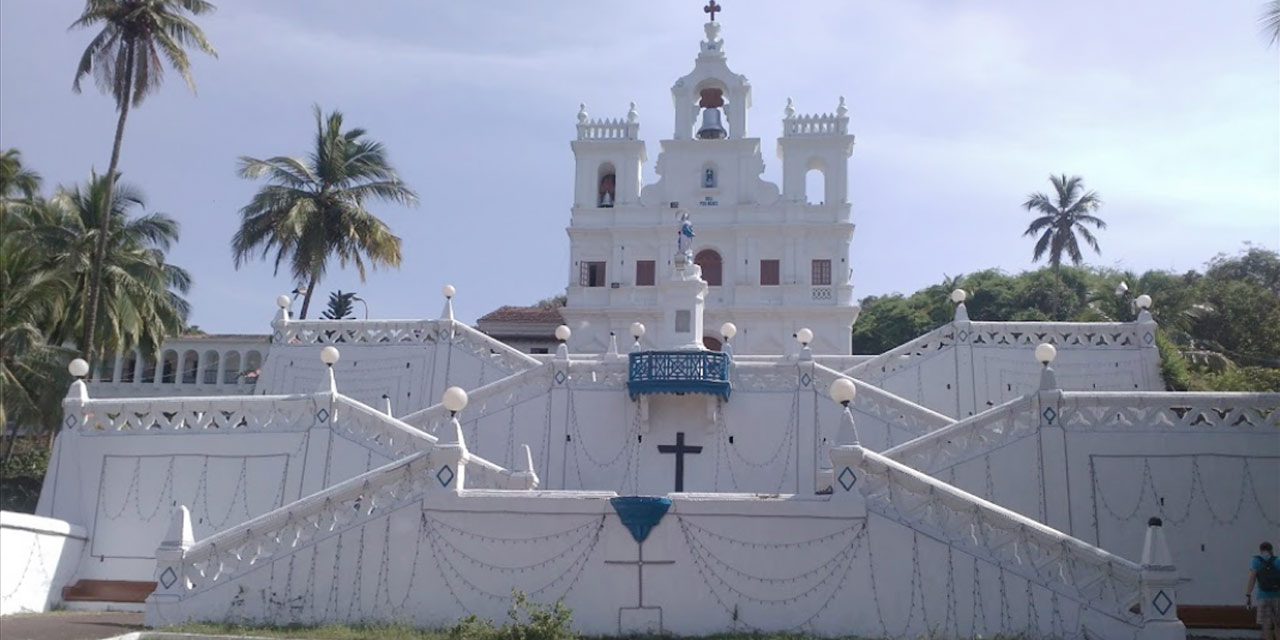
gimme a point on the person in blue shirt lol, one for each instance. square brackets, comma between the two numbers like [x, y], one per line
[1264, 574]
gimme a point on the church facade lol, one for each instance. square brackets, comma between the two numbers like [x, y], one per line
[775, 260]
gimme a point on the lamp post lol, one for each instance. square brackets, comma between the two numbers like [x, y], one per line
[363, 302]
[1046, 353]
[637, 332]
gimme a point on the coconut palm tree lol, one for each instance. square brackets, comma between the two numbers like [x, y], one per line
[125, 60]
[17, 184]
[313, 208]
[1271, 21]
[141, 299]
[30, 368]
[1060, 218]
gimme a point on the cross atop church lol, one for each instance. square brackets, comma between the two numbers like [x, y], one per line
[712, 8]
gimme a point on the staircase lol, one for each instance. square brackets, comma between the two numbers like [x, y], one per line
[107, 595]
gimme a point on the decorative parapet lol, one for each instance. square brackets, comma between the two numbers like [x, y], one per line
[1181, 411]
[202, 414]
[1104, 582]
[400, 332]
[815, 125]
[606, 129]
[1095, 335]
[706, 372]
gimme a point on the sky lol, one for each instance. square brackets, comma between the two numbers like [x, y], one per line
[1169, 109]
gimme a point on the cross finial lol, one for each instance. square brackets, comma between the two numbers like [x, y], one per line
[712, 8]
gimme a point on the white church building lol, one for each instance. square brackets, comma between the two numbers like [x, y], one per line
[697, 453]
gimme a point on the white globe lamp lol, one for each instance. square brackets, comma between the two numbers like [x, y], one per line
[448, 291]
[330, 355]
[728, 330]
[637, 330]
[563, 333]
[283, 301]
[959, 296]
[454, 399]
[843, 391]
[1143, 302]
[78, 368]
[1045, 353]
[804, 336]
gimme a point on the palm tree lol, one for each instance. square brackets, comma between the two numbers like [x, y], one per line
[17, 184]
[1271, 21]
[1060, 219]
[125, 60]
[141, 300]
[314, 207]
[30, 368]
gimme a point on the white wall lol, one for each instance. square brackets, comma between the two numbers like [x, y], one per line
[40, 556]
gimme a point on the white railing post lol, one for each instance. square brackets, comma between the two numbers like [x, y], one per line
[171, 576]
[449, 459]
[1159, 602]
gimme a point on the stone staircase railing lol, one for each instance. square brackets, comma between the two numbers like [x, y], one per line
[1104, 582]
[1098, 335]
[1181, 411]
[483, 400]
[226, 555]
[968, 438]
[904, 355]
[881, 404]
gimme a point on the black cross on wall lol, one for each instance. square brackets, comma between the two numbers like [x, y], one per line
[679, 448]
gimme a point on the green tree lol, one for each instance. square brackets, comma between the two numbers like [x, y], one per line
[313, 208]
[125, 60]
[1060, 217]
[142, 299]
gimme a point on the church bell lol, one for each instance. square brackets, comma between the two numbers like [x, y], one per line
[711, 128]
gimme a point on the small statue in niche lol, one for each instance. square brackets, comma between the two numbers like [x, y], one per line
[607, 191]
[684, 237]
[709, 178]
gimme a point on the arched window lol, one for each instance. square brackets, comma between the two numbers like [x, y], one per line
[607, 193]
[210, 375]
[170, 360]
[252, 367]
[231, 369]
[190, 367]
[129, 368]
[710, 262]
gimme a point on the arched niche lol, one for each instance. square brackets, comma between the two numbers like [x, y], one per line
[210, 373]
[606, 185]
[815, 182]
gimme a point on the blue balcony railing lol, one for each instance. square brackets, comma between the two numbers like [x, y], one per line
[678, 372]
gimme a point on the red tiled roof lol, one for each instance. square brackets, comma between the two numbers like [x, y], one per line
[530, 315]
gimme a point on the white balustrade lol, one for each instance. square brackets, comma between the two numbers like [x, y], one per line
[1183, 411]
[815, 125]
[606, 129]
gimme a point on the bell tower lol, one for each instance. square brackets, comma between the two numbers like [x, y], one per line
[609, 156]
[709, 92]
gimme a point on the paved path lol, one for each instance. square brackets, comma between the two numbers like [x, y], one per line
[69, 625]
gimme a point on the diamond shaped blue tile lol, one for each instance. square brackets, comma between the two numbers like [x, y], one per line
[1162, 602]
[805, 380]
[847, 479]
[168, 577]
[444, 475]
[963, 336]
[1050, 414]
[561, 377]
[70, 421]
[1148, 338]
[322, 415]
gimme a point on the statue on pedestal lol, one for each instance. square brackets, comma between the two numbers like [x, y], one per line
[684, 240]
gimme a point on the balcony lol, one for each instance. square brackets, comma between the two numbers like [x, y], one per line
[678, 372]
